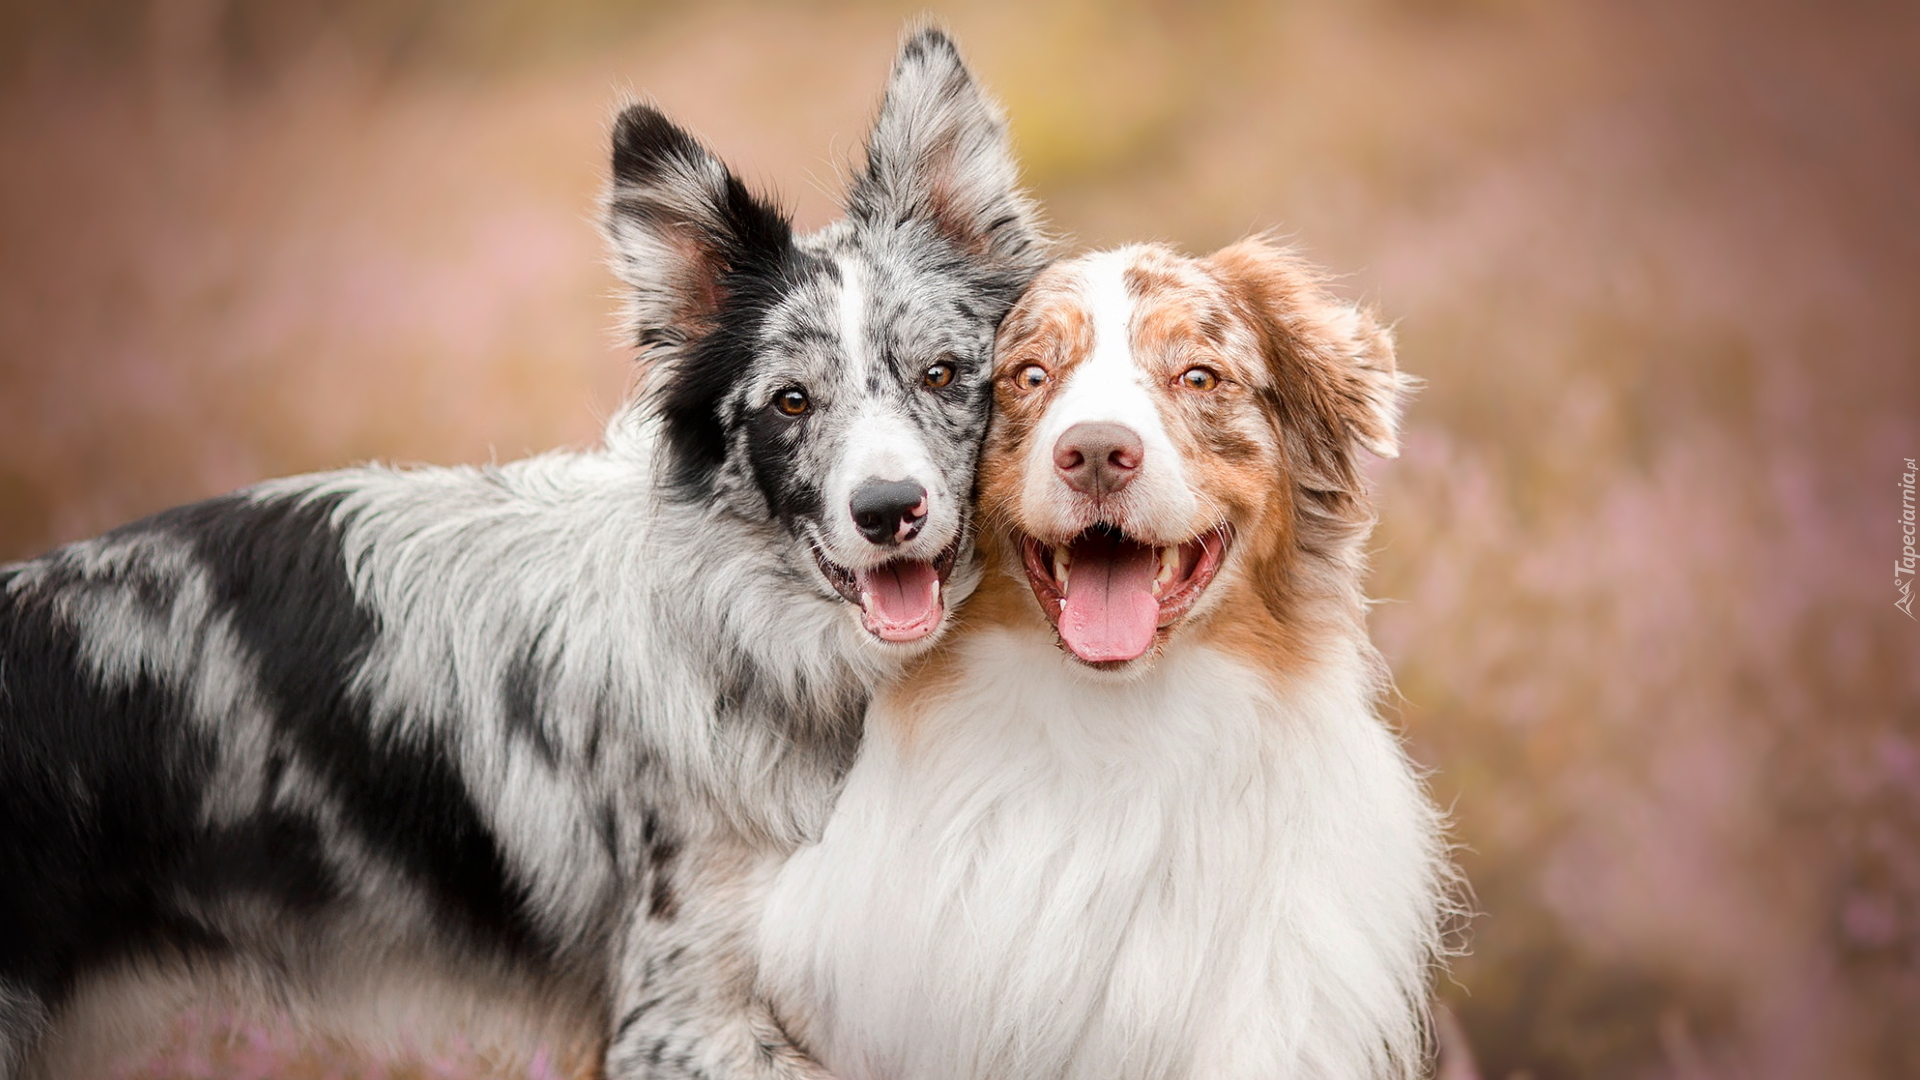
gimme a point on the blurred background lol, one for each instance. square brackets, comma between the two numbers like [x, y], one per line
[1658, 264]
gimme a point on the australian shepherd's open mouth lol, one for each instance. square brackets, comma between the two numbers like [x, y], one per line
[1109, 594]
[900, 601]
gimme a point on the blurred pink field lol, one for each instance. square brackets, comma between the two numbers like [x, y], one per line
[1656, 263]
[223, 1048]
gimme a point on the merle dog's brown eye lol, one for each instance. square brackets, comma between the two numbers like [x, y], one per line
[938, 375]
[1199, 378]
[1031, 377]
[792, 401]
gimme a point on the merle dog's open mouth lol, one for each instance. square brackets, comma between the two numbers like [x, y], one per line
[900, 600]
[1109, 594]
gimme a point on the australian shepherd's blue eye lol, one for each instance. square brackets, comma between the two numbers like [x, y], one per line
[1031, 377]
[792, 401]
[938, 375]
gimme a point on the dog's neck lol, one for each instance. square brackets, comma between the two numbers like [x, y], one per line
[1056, 864]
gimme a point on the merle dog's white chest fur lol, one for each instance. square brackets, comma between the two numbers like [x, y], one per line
[1042, 875]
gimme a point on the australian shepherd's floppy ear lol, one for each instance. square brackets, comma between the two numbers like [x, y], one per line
[1137, 819]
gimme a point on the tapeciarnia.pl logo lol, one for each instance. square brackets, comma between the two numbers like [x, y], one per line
[1905, 564]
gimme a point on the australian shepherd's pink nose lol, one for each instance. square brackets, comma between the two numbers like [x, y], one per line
[1097, 458]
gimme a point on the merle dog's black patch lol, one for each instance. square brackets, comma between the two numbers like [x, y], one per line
[103, 784]
[99, 792]
[279, 572]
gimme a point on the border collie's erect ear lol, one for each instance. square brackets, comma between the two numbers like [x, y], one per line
[939, 153]
[1338, 387]
[681, 226]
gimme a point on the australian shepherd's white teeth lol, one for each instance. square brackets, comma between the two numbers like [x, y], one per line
[900, 600]
[1109, 595]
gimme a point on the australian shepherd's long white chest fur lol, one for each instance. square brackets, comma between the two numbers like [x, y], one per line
[1137, 818]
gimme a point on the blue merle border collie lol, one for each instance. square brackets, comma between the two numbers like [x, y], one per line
[550, 721]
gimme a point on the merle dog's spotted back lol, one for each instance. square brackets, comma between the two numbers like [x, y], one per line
[547, 719]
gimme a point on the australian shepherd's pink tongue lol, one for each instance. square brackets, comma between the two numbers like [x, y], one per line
[901, 600]
[1111, 613]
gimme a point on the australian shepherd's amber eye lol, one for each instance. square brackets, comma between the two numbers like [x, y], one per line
[792, 401]
[938, 376]
[1031, 377]
[1199, 378]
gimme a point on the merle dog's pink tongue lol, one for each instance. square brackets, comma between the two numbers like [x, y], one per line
[1111, 613]
[902, 600]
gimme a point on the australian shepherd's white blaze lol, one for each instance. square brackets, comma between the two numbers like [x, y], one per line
[1137, 818]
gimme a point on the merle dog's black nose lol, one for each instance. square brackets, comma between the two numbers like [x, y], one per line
[889, 511]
